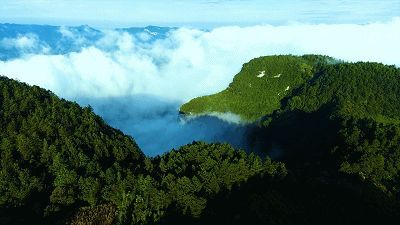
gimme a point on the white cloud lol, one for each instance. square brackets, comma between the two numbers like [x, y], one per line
[192, 62]
[66, 32]
[78, 37]
[227, 117]
[25, 43]
[138, 86]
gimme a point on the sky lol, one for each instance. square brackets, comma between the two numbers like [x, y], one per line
[195, 13]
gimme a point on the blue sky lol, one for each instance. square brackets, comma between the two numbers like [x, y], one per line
[196, 13]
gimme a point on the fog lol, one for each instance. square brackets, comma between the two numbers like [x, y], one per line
[138, 85]
[157, 127]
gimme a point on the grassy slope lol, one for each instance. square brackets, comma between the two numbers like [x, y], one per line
[251, 96]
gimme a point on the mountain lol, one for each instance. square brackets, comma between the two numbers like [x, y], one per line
[259, 87]
[55, 154]
[61, 163]
[148, 33]
[17, 40]
[338, 164]
[333, 117]
[347, 118]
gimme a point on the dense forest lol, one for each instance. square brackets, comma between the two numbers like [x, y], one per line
[349, 114]
[340, 124]
[61, 163]
[337, 128]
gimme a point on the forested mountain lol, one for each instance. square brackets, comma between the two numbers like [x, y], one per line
[350, 113]
[55, 154]
[59, 160]
[340, 118]
[337, 128]
[259, 87]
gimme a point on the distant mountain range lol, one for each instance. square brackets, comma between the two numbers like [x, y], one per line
[19, 39]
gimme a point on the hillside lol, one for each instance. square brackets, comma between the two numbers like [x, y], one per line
[337, 118]
[55, 154]
[362, 90]
[348, 116]
[60, 163]
[259, 87]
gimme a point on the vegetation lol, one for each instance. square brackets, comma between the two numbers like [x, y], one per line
[345, 116]
[338, 128]
[259, 87]
[350, 112]
[361, 90]
[56, 155]
[341, 124]
[60, 162]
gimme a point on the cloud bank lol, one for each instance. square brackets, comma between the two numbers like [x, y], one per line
[186, 64]
[191, 62]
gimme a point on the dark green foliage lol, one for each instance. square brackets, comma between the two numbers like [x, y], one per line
[356, 89]
[60, 162]
[363, 100]
[300, 200]
[371, 151]
[199, 171]
[55, 154]
[182, 181]
[347, 118]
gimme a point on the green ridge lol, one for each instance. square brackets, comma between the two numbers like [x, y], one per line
[259, 87]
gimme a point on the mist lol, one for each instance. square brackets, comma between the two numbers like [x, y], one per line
[137, 82]
[157, 127]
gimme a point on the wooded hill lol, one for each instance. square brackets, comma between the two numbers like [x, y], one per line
[337, 127]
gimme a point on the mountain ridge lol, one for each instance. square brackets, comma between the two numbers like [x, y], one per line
[259, 87]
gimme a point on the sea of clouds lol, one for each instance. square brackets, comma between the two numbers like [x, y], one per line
[138, 85]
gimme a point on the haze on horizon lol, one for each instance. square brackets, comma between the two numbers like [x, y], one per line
[137, 81]
[198, 13]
